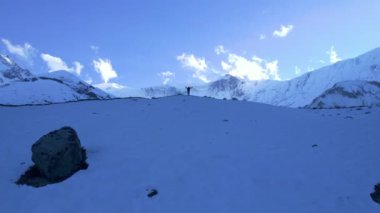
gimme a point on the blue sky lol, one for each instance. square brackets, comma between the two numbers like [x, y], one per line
[143, 43]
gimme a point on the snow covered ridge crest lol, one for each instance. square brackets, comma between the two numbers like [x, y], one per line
[297, 92]
[19, 86]
[349, 94]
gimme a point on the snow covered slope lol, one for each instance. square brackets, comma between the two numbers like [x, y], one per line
[349, 94]
[296, 92]
[18, 86]
[201, 154]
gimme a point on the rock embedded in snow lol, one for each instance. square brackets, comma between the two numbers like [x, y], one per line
[376, 194]
[202, 170]
[59, 154]
[152, 193]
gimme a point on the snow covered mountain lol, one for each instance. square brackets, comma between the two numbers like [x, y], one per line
[226, 87]
[10, 71]
[201, 155]
[296, 92]
[19, 86]
[302, 90]
[349, 94]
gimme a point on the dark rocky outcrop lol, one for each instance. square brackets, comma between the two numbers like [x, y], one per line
[152, 193]
[376, 194]
[57, 155]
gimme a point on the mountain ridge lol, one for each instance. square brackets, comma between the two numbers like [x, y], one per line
[296, 92]
[19, 86]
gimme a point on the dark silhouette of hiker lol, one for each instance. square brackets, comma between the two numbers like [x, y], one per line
[188, 90]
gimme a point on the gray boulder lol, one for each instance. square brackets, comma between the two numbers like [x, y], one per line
[59, 154]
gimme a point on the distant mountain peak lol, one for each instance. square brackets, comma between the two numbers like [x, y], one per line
[227, 82]
[19, 86]
[10, 71]
[228, 76]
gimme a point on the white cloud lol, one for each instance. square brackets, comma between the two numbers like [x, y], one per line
[190, 61]
[262, 37]
[24, 51]
[284, 31]
[257, 59]
[251, 69]
[104, 67]
[272, 70]
[225, 66]
[166, 77]
[56, 63]
[220, 50]
[110, 86]
[333, 55]
[78, 67]
[202, 78]
[197, 65]
[297, 70]
[94, 48]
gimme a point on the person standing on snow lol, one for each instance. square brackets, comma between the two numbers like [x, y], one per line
[188, 90]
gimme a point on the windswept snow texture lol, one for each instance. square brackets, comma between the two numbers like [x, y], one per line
[349, 94]
[19, 87]
[200, 154]
[296, 92]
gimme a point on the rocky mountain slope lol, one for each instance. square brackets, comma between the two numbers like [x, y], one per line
[10, 71]
[19, 86]
[349, 94]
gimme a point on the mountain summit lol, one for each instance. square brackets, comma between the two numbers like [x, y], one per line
[10, 71]
[19, 86]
